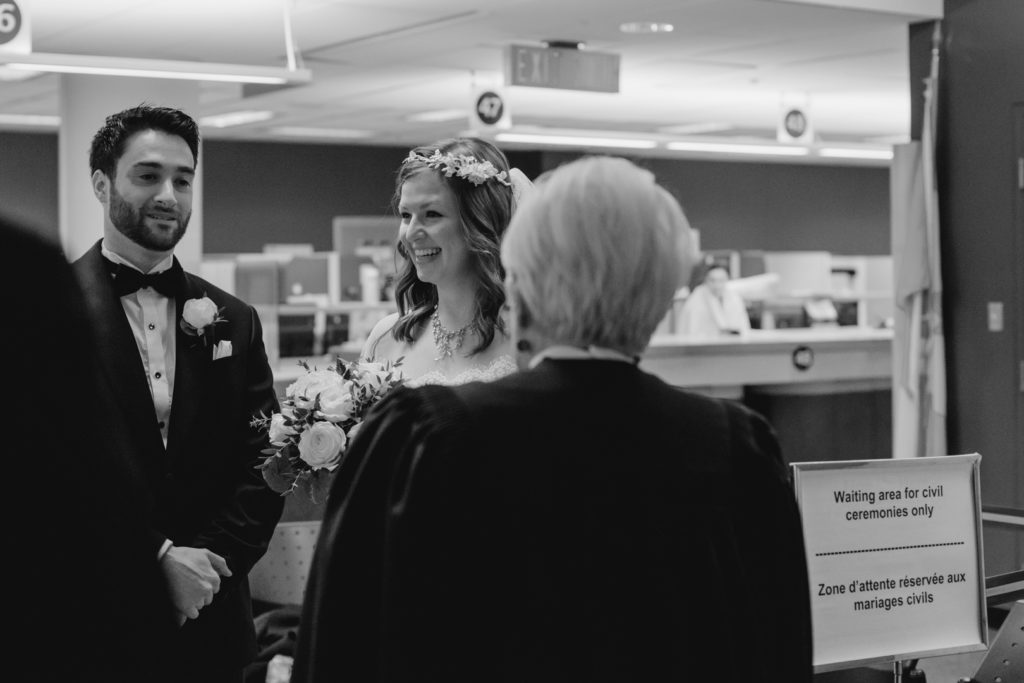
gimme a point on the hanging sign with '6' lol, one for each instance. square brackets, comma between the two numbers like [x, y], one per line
[15, 37]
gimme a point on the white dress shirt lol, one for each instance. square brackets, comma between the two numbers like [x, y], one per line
[151, 316]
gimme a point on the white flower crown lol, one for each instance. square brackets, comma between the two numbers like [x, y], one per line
[464, 166]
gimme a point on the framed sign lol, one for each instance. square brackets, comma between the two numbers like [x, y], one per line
[894, 558]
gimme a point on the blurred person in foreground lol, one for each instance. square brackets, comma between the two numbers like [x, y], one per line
[87, 600]
[580, 520]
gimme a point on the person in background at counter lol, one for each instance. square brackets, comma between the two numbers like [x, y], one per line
[580, 520]
[455, 199]
[89, 602]
[184, 364]
[712, 309]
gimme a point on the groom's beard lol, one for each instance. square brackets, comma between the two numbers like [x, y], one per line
[130, 222]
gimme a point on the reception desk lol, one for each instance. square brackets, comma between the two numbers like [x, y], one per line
[791, 361]
[826, 391]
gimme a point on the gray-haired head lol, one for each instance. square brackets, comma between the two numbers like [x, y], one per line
[595, 255]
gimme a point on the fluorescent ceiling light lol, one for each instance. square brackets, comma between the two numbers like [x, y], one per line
[155, 68]
[646, 27]
[737, 148]
[576, 141]
[889, 140]
[339, 133]
[235, 118]
[854, 153]
[696, 128]
[12, 75]
[30, 120]
[438, 116]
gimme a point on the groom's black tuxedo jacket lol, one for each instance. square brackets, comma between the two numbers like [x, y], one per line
[203, 489]
[580, 521]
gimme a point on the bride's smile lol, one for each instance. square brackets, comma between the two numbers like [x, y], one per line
[424, 254]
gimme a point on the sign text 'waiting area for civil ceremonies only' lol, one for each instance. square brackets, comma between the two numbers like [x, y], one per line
[894, 557]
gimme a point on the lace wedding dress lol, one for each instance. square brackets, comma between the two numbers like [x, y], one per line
[496, 369]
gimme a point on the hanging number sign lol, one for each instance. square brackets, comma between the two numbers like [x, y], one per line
[489, 108]
[14, 35]
[795, 123]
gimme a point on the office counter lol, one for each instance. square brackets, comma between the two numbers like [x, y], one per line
[826, 391]
[790, 361]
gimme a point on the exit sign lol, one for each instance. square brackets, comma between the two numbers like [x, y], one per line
[563, 68]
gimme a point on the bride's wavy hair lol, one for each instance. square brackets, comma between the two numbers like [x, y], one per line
[485, 210]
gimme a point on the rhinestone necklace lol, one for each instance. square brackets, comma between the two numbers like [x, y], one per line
[447, 341]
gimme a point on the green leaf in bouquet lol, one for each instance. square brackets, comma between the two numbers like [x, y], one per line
[314, 484]
[343, 368]
[303, 484]
[279, 474]
[320, 485]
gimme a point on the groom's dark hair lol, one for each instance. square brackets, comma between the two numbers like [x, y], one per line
[109, 142]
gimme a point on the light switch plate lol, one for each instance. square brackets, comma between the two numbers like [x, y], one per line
[995, 316]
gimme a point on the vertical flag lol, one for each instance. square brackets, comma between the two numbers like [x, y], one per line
[919, 351]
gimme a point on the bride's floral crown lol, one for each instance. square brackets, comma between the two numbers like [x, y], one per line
[463, 166]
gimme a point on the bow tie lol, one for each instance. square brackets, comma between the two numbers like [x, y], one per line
[127, 280]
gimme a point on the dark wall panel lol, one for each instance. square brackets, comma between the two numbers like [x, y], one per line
[981, 77]
[258, 192]
[270, 192]
[780, 207]
[28, 180]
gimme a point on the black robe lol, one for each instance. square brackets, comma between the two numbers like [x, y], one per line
[581, 521]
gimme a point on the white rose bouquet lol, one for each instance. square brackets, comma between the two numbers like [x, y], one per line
[320, 413]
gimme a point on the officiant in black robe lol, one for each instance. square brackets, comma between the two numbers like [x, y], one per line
[580, 520]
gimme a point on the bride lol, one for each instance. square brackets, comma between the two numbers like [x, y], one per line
[455, 199]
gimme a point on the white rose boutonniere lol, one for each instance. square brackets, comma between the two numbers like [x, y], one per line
[199, 314]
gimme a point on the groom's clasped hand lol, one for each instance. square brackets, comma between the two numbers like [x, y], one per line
[193, 576]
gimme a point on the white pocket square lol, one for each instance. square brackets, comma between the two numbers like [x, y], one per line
[222, 350]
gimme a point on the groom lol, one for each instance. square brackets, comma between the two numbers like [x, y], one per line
[185, 365]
